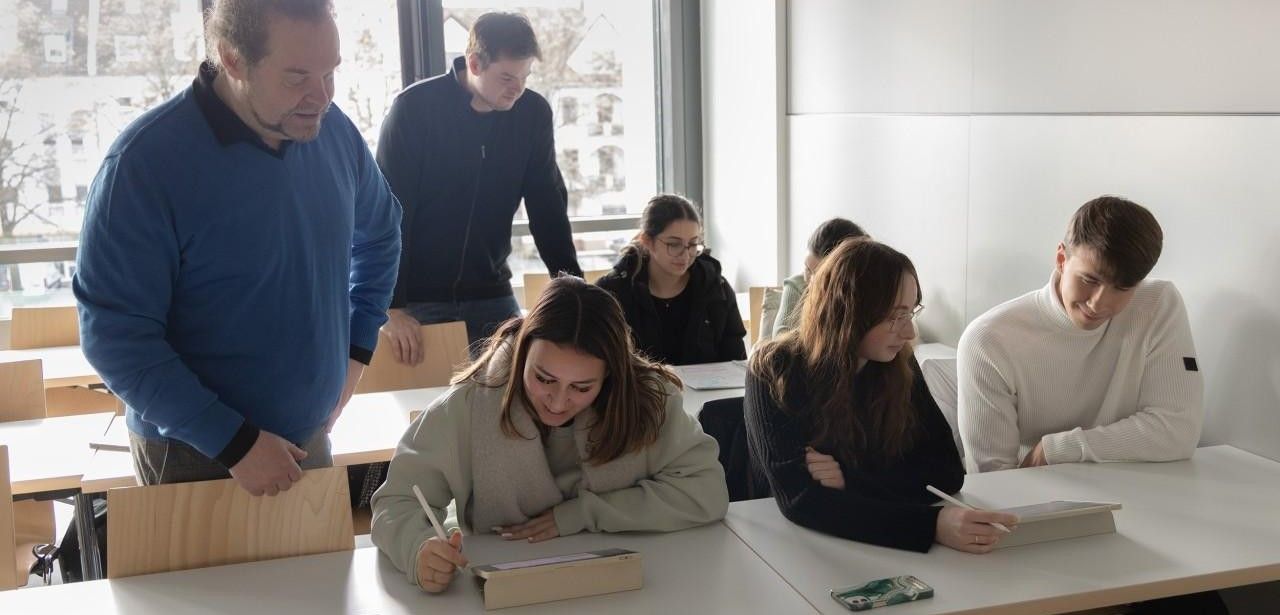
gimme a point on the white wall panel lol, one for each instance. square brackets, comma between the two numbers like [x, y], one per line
[904, 180]
[1211, 181]
[742, 122]
[879, 55]
[1125, 56]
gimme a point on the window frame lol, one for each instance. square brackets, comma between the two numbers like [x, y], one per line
[678, 71]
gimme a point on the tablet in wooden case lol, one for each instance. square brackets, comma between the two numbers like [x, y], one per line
[559, 577]
[1058, 520]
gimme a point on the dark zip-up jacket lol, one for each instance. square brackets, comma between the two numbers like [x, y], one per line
[714, 331]
[460, 176]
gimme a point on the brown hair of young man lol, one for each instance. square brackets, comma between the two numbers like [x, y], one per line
[1124, 235]
[631, 405]
[499, 35]
[854, 289]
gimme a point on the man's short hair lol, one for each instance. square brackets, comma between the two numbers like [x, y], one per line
[1124, 234]
[499, 35]
[242, 24]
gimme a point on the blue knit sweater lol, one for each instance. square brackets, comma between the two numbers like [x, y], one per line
[223, 286]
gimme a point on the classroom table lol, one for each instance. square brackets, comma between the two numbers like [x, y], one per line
[367, 432]
[700, 570]
[1206, 523]
[63, 366]
[49, 455]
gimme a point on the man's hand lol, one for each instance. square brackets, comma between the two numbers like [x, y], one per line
[404, 333]
[270, 466]
[355, 370]
[1035, 457]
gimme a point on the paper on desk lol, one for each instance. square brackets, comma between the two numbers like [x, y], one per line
[709, 376]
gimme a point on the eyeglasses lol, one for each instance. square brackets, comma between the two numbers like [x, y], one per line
[903, 320]
[676, 249]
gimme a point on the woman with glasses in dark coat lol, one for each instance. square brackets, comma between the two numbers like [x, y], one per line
[679, 306]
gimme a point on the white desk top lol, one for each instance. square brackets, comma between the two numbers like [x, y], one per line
[1189, 526]
[50, 454]
[63, 365]
[367, 432]
[703, 570]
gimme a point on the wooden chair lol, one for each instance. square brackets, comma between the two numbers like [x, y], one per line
[42, 327]
[181, 526]
[446, 349]
[66, 401]
[755, 301]
[535, 283]
[21, 390]
[28, 522]
[9, 548]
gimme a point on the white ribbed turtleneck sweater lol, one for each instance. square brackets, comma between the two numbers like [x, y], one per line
[1129, 390]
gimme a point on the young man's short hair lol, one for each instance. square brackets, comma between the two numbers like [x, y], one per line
[1124, 234]
[499, 35]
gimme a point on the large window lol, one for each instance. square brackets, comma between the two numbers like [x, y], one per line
[597, 72]
[73, 75]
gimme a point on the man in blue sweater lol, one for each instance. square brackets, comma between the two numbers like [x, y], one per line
[238, 255]
[461, 151]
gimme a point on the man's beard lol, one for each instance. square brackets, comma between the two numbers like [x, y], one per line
[278, 127]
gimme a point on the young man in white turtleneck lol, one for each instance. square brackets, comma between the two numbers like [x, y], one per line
[1098, 365]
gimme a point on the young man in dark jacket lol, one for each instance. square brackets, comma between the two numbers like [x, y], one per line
[461, 151]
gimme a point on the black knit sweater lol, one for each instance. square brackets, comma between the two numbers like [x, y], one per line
[884, 502]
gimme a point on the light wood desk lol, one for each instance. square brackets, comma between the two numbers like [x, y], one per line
[702, 570]
[367, 432]
[64, 366]
[48, 455]
[1207, 523]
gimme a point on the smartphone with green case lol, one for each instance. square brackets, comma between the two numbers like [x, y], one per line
[882, 592]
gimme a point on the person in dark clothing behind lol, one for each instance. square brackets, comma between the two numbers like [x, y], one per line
[460, 151]
[841, 422]
[680, 309]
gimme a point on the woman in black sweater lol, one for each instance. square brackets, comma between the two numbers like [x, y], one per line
[680, 308]
[841, 422]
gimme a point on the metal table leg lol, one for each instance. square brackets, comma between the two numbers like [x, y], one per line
[90, 557]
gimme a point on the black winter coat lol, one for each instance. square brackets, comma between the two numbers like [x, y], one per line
[714, 331]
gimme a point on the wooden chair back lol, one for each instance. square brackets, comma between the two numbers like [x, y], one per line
[8, 540]
[42, 327]
[160, 528]
[446, 350]
[535, 283]
[21, 390]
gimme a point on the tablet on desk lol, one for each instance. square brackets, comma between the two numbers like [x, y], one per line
[556, 561]
[1058, 509]
[558, 577]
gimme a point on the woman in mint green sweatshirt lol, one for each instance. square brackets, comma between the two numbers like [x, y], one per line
[559, 427]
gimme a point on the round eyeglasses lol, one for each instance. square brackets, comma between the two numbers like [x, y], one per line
[676, 249]
[904, 319]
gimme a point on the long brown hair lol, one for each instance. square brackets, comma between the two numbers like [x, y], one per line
[632, 400]
[854, 289]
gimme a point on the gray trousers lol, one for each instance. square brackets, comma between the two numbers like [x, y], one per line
[165, 460]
